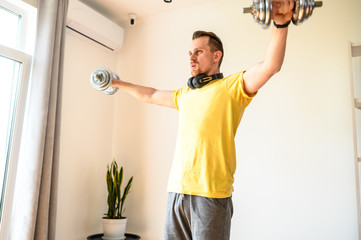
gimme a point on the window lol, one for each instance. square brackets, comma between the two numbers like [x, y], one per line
[17, 25]
[10, 24]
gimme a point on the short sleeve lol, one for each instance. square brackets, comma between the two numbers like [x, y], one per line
[176, 94]
[235, 85]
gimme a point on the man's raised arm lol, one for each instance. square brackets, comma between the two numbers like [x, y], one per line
[259, 74]
[146, 94]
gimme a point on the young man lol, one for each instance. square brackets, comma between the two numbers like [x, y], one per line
[210, 110]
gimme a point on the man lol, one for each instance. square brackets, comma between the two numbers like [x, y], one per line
[210, 110]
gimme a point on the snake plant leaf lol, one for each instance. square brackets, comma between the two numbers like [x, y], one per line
[125, 194]
[115, 200]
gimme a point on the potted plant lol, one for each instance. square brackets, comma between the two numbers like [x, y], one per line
[114, 221]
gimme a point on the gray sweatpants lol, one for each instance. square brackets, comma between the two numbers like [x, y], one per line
[197, 218]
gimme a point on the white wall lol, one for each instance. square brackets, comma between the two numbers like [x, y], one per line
[86, 141]
[295, 177]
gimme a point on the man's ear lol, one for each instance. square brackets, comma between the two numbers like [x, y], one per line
[217, 56]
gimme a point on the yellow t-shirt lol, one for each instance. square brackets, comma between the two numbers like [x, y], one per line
[205, 155]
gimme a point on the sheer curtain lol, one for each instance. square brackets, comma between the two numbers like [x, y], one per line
[34, 208]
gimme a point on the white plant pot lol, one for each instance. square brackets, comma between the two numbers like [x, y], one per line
[114, 228]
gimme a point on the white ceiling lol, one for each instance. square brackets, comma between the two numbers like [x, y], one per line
[118, 10]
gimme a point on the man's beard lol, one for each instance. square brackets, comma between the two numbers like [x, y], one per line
[196, 71]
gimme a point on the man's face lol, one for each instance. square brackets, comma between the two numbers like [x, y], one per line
[201, 57]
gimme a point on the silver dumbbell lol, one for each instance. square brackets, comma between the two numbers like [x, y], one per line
[101, 79]
[303, 10]
[262, 11]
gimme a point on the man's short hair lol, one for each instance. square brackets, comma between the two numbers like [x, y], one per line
[214, 42]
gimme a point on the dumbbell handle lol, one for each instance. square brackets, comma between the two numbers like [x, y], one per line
[247, 10]
[318, 4]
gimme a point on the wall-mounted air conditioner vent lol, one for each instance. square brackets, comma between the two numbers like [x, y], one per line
[91, 24]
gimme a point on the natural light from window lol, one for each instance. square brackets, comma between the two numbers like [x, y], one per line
[17, 38]
[9, 27]
[9, 69]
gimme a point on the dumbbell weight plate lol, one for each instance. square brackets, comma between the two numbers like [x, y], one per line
[261, 12]
[255, 12]
[268, 12]
[312, 6]
[306, 10]
[111, 90]
[101, 79]
[309, 8]
[299, 11]
[303, 4]
[264, 12]
[296, 12]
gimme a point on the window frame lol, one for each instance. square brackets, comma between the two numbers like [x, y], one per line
[26, 61]
[27, 24]
[23, 55]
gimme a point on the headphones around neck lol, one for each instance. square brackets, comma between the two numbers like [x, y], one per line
[202, 79]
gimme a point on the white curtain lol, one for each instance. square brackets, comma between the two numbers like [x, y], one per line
[34, 208]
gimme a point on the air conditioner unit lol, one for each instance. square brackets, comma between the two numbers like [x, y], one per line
[91, 24]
